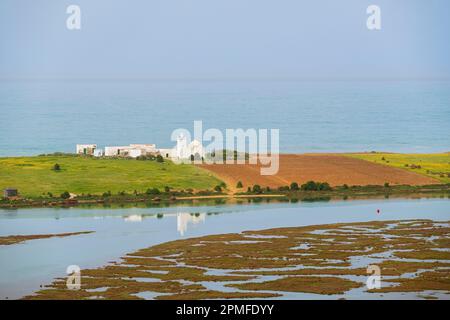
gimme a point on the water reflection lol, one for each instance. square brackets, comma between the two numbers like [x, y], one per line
[133, 218]
[184, 219]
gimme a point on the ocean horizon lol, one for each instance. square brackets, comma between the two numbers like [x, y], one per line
[46, 116]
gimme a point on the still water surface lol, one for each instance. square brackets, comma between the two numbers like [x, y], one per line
[26, 266]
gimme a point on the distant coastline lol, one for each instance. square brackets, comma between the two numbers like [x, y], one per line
[73, 180]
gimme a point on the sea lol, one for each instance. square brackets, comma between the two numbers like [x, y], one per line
[46, 116]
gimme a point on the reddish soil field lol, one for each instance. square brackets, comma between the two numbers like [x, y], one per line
[332, 168]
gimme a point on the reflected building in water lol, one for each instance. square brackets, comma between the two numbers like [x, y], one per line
[184, 219]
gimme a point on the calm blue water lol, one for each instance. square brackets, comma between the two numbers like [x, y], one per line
[47, 116]
[27, 265]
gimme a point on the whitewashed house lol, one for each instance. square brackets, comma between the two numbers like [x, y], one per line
[87, 149]
[147, 149]
[99, 153]
[133, 150]
[184, 150]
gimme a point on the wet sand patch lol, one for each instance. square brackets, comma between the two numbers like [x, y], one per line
[9, 240]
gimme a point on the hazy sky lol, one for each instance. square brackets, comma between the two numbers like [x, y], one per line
[225, 39]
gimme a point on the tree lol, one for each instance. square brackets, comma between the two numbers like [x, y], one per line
[324, 186]
[159, 158]
[239, 185]
[257, 188]
[294, 186]
[167, 189]
[65, 195]
[56, 167]
[309, 186]
[192, 158]
[218, 188]
[386, 184]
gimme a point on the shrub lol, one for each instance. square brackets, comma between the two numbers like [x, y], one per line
[294, 186]
[324, 186]
[257, 188]
[56, 167]
[386, 184]
[218, 188]
[249, 189]
[153, 191]
[309, 186]
[106, 194]
[65, 195]
[159, 158]
[239, 185]
[167, 189]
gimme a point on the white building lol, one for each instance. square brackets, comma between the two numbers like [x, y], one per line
[133, 150]
[86, 149]
[167, 153]
[184, 150]
[99, 153]
[147, 149]
[117, 151]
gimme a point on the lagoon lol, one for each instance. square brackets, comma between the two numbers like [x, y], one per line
[28, 265]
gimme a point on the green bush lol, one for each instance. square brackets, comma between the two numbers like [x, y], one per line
[294, 186]
[324, 186]
[65, 195]
[257, 188]
[153, 191]
[239, 185]
[316, 186]
[309, 186]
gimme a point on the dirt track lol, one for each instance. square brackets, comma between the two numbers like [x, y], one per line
[331, 168]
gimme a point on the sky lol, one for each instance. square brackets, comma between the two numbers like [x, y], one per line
[189, 39]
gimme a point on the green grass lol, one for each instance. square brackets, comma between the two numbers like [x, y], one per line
[436, 165]
[34, 176]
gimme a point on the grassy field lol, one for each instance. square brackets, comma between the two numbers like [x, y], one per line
[34, 176]
[433, 165]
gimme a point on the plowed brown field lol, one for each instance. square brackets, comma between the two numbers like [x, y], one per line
[332, 168]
